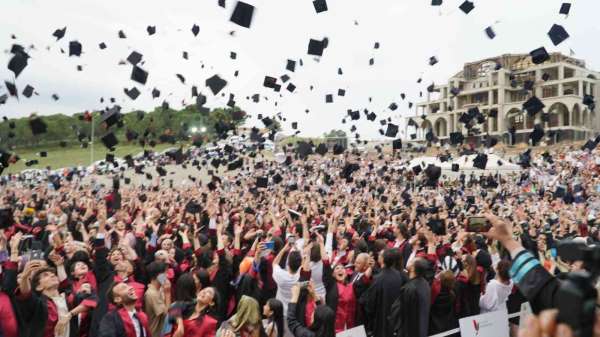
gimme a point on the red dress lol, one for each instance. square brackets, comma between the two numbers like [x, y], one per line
[346, 308]
[206, 327]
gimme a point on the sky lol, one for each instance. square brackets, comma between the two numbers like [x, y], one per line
[409, 33]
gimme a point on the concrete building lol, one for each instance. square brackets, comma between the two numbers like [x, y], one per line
[497, 83]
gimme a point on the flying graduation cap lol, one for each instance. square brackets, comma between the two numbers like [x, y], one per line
[242, 14]
[558, 34]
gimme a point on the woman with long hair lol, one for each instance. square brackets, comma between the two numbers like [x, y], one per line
[273, 314]
[442, 316]
[469, 287]
[201, 321]
[323, 321]
[246, 321]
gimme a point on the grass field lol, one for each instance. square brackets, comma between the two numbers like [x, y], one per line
[73, 156]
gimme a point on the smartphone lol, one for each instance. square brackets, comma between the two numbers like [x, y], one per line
[292, 239]
[478, 224]
[269, 245]
[303, 284]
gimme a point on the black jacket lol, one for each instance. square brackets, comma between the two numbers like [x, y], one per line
[442, 316]
[378, 299]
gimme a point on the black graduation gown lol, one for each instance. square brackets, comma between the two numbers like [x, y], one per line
[442, 316]
[415, 299]
[378, 300]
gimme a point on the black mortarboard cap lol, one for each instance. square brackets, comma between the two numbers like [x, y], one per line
[392, 130]
[221, 3]
[320, 6]
[134, 58]
[102, 45]
[480, 161]
[565, 8]
[338, 149]
[236, 164]
[195, 29]
[122, 35]
[489, 31]
[18, 62]
[533, 105]
[304, 149]
[315, 47]
[354, 115]
[132, 93]
[372, 116]
[110, 158]
[322, 149]
[216, 84]
[433, 60]
[139, 75]
[539, 56]
[431, 87]
[397, 144]
[291, 65]
[75, 48]
[37, 126]
[151, 30]
[109, 140]
[242, 14]
[393, 106]
[588, 100]
[28, 91]
[155, 93]
[456, 138]
[181, 78]
[329, 98]
[341, 92]
[545, 76]
[558, 34]
[417, 169]
[262, 182]
[466, 7]
[59, 33]
[537, 134]
[291, 87]
[111, 116]
[455, 167]
[436, 2]
[161, 171]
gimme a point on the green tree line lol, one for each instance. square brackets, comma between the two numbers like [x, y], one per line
[63, 128]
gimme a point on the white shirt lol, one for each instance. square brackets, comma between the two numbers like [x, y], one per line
[495, 297]
[285, 281]
[136, 323]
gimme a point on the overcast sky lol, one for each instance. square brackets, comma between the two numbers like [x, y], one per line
[409, 32]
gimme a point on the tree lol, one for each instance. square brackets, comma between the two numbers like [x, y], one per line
[335, 134]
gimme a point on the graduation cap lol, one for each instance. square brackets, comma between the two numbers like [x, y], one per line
[28, 91]
[411, 122]
[139, 75]
[112, 116]
[467, 7]
[110, 158]
[436, 2]
[417, 169]
[291, 65]
[134, 58]
[372, 116]
[371, 61]
[262, 182]
[588, 100]
[393, 106]
[109, 140]
[315, 47]
[489, 31]
[433, 60]
[558, 34]
[533, 105]
[539, 56]
[431, 87]
[392, 130]
[537, 134]
[181, 78]
[433, 172]
[216, 84]
[304, 149]
[320, 6]
[75, 48]
[132, 93]
[329, 98]
[545, 76]
[151, 30]
[37, 126]
[236, 164]
[354, 115]
[59, 33]
[397, 144]
[341, 92]
[322, 149]
[455, 167]
[454, 91]
[43, 154]
[122, 35]
[18, 62]
[565, 8]
[242, 14]
[55, 97]
[291, 87]
[480, 161]
[131, 135]
[155, 93]
[31, 162]
[161, 171]
[3, 98]
[340, 72]
[349, 169]
[195, 29]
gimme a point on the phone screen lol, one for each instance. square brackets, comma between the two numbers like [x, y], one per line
[270, 245]
[478, 224]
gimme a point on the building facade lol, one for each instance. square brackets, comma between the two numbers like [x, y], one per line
[497, 83]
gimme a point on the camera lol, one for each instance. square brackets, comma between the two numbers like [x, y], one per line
[577, 295]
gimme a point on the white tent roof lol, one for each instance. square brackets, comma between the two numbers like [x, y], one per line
[464, 163]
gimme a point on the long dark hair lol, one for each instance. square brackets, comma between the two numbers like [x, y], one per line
[277, 317]
[324, 322]
[185, 289]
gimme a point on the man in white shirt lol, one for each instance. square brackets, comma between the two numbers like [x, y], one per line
[497, 290]
[287, 278]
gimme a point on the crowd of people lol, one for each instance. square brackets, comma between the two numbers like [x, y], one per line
[308, 248]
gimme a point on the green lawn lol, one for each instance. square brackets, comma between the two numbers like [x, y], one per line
[73, 156]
